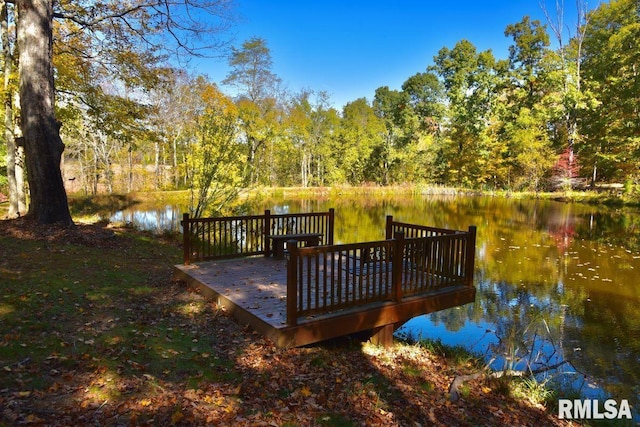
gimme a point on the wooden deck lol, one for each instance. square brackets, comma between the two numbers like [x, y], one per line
[254, 290]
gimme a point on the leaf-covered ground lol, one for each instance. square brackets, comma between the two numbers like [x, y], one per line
[94, 332]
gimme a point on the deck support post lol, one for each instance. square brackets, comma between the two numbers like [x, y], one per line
[265, 232]
[396, 266]
[470, 257]
[186, 239]
[292, 285]
[383, 336]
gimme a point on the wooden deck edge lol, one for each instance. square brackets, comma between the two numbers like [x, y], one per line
[363, 319]
[346, 322]
[237, 311]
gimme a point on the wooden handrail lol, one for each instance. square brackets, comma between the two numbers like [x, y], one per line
[246, 235]
[413, 230]
[328, 278]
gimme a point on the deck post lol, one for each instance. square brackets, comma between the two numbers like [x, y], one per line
[383, 336]
[396, 266]
[330, 227]
[470, 256]
[292, 286]
[265, 232]
[186, 239]
[389, 228]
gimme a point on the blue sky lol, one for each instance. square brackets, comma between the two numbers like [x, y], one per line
[349, 48]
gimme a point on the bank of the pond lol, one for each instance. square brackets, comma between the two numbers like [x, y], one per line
[604, 195]
[102, 204]
[93, 331]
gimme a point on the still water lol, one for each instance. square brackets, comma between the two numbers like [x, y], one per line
[556, 282]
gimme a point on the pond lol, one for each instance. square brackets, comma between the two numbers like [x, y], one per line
[556, 281]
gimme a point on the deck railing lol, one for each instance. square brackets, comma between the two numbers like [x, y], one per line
[323, 279]
[238, 236]
[413, 230]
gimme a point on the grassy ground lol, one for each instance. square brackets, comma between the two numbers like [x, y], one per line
[94, 332]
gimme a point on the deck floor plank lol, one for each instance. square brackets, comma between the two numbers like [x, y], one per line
[257, 284]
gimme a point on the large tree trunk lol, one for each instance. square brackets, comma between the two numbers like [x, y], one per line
[41, 131]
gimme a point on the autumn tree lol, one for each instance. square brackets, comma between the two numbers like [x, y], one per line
[129, 35]
[261, 124]
[574, 99]
[175, 105]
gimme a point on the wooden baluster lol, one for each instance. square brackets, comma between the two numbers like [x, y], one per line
[292, 285]
[389, 228]
[266, 227]
[186, 239]
[331, 227]
[396, 265]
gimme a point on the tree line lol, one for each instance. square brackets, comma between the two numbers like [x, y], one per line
[543, 118]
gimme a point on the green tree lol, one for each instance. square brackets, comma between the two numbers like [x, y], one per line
[311, 124]
[423, 114]
[470, 84]
[427, 101]
[256, 84]
[251, 70]
[390, 106]
[361, 133]
[611, 124]
[215, 159]
[532, 95]
[525, 57]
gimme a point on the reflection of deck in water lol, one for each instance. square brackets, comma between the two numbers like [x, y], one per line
[254, 290]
